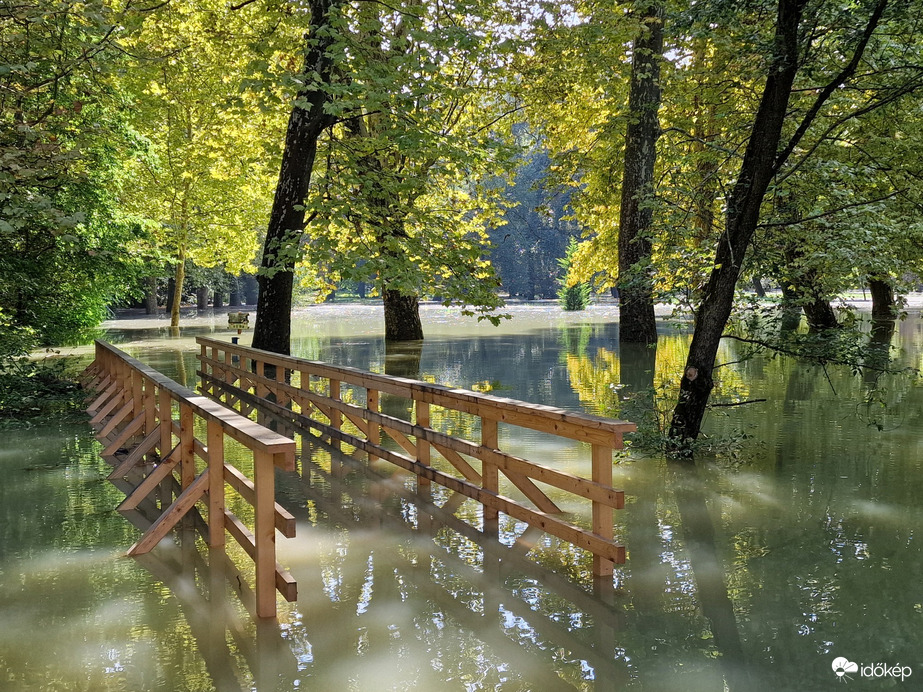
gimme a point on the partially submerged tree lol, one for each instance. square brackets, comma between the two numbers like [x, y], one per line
[310, 116]
[404, 198]
[820, 44]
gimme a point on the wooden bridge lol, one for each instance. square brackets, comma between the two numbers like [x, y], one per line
[136, 407]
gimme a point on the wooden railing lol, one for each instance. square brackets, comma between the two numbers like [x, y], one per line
[148, 422]
[311, 395]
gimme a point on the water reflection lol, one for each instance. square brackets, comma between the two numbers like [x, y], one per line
[753, 572]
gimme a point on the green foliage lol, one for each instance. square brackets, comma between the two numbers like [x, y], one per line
[575, 296]
[37, 389]
[65, 249]
[405, 190]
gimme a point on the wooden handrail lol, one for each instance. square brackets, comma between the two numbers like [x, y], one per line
[236, 426]
[238, 373]
[135, 410]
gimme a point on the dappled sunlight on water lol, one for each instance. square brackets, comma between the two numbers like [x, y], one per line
[797, 544]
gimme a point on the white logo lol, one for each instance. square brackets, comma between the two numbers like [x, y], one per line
[841, 666]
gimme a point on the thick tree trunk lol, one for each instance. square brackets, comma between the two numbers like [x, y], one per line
[218, 300]
[820, 314]
[150, 295]
[402, 317]
[883, 302]
[171, 293]
[744, 202]
[178, 278]
[272, 331]
[636, 302]
[758, 287]
[201, 297]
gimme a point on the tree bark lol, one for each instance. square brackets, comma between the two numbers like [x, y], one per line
[201, 297]
[883, 302]
[636, 303]
[218, 300]
[178, 278]
[402, 316]
[272, 331]
[150, 295]
[820, 314]
[743, 210]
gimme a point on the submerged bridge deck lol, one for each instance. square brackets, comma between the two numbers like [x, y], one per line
[149, 424]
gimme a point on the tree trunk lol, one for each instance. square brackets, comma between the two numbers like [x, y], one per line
[791, 310]
[743, 211]
[218, 300]
[234, 295]
[272, 331]
[820, 314]
[171, 291]
[402, 317]
[883, 303]
[758, 287]
[178, 278]
[201, 297]
[636, 303]
[150, 295]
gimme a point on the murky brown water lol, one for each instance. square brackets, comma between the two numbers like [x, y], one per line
[747, 574]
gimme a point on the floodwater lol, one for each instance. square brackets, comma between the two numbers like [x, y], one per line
[797, 545]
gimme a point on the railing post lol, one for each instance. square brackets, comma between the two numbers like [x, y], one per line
[187, 445]
[371, 403]
[490, 475]
[602, 514]
[336, 417]
[215, 484]
[264, 534]
[421, 418]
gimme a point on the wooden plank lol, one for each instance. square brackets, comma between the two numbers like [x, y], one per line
[169, 519]
[264, 534]
[504, 461]
[454, 458]
[490, 474]
[145, 446]
[236, 426]
[581, 426]
[284, 520]
[187, 445]
[401, 440]
[284, 582]
[94, 408]
[216, 499]
[129, 431]
[151, 481]
[116, 418]
[421, 419]
[602, 514]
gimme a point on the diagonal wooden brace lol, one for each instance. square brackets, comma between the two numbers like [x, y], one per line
[136, 454]
[151, 481]
[170, 518]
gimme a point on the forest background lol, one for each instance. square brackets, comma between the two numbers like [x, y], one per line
[463, 151]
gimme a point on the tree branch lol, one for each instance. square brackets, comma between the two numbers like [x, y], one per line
[832, 86]
[780, 224]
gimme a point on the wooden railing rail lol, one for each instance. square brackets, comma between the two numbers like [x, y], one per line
[147, 422]
[240, 375]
